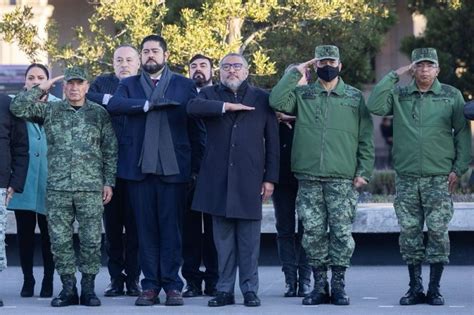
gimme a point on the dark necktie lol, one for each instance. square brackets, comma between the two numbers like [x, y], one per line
[155, 81]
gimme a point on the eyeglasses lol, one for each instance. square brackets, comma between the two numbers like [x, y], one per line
[227, 66]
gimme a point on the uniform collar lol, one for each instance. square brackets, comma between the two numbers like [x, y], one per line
[338, 90]
[435, 87]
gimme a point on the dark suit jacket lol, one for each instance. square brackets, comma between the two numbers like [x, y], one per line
[188, 137]
[13, 148]
[242, 152]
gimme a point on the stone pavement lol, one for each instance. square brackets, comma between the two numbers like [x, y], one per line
[373, 290]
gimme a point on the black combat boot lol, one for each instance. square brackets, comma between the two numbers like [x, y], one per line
[433, 296]
[68, 295]
[415, 293]
[338, 294]
[320, 293]
[304, 281]
[290, 289]
[88, 296]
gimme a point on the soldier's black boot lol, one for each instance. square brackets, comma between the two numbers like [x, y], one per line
[415, 293]
[338, 294]
[304, 281]
[433, 296]
[68, 295]
[290, 289]
[320, 293]
[88, 296]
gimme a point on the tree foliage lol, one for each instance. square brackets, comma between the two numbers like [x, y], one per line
[450, 29]
[270, 33]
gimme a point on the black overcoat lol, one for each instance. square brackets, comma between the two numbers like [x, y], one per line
[242, 152]
[13, 148]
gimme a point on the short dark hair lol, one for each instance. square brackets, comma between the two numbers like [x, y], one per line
[37, 65]
[200, 56]
[155, 38]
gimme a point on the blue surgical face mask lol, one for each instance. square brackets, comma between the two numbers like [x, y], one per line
[327, 73]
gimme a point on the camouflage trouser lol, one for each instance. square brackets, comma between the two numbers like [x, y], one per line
[419, 200]
[322, 205]
[3, 228]
[86, 207]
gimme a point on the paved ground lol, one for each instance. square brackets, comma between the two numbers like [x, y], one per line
[373, 290]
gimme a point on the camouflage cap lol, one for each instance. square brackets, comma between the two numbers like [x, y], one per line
[75, 73]
[424, 54]
[326, 52]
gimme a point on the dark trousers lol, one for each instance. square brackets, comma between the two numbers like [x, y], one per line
[122, 251]
[290, 251]
[158, 210]
[238, 244]
[198, 247]
[26, 224]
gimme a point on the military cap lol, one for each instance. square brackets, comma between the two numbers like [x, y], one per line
[75, 73]
[424, 54]
[326, 52]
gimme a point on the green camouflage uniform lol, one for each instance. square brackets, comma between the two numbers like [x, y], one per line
[332, 145]
[431, 138]
[82, 158]
[3, 227]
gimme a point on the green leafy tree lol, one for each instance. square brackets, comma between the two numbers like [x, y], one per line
[270, 33]
[449, 29]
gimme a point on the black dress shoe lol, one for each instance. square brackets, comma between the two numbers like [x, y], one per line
[133, 287]
[174, 298]
[210, 291]
[290, 290]
[115, 288]
[1, 303]
[222, 299]
[147, 298]
[28, 288]
[251, 299]
[192, 291]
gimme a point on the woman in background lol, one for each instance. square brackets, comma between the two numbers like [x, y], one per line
[29, 206]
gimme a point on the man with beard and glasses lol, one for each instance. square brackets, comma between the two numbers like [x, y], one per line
[118, 214]
[159, 149]
[198, 243]
[332, 156]
[431, 150]
[239, 170]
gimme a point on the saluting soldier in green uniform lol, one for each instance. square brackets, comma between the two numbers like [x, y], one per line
[82, 158]
[431, 150]
[332, 155]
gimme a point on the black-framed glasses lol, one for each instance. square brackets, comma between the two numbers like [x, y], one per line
[227, 66]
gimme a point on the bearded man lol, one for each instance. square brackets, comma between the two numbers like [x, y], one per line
[156, 145]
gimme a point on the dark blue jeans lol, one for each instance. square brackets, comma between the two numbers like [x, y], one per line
[290, 252]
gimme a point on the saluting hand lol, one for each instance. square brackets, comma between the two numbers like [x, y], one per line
[305, 65]
[285, 119]
[402, 70]
[46, 85]
[234, 107]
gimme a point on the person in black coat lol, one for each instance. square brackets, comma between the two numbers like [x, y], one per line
[159, 149]
[13, 165]
[238, 172]
[198, 242]
[122, 252]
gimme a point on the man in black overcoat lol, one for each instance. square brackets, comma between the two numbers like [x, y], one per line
[238, 172]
